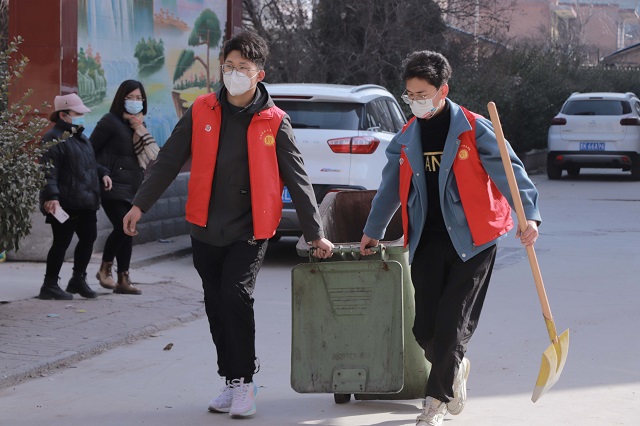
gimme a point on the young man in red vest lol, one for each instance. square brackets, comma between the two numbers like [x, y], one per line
[243, 151]
[444, 171]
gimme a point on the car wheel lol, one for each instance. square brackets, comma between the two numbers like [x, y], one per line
[573, 171]
[635, 170]
[341, 398]
[553, 170]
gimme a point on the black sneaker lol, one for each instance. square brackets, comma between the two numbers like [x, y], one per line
[78, 284]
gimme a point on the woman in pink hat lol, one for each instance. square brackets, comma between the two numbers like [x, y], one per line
[71, 197]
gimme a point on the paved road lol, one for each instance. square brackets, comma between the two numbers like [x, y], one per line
[591, 266]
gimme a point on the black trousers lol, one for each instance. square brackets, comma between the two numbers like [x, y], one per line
[228, 278]
[83, 224]
[119, 245]
[449, 295]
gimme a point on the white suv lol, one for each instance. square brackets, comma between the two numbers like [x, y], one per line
[342, 132]
[598, 130]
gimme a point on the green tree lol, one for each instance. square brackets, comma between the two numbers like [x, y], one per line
[206, 31]
[529, 83]
[21, 177]
[365, 41]
[343, 41]
[185, 61]
[150, 55]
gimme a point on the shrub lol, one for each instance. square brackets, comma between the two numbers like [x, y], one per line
[529, 84]
[21, 177]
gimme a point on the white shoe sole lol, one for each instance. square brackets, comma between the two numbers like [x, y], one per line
[457, 404]
[247, 413]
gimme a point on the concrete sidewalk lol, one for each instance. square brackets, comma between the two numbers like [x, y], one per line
[40, 335]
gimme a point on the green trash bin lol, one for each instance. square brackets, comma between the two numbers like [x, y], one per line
[352, 316]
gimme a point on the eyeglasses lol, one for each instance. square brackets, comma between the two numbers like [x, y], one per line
[420, 99]
[134, 98]
[240, 69]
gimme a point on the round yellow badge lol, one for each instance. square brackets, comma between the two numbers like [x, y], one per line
[463, 154]
[269, 140]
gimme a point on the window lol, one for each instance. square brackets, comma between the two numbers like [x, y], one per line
[322, 115]
[379, 116]
[398, 117]
[596, 107]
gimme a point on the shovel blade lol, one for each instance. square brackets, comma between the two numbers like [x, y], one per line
[553, 360]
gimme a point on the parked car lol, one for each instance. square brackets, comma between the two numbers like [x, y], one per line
[596, 130]
[342, 132]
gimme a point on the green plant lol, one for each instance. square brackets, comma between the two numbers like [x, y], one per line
[21, 177]
[150, 55]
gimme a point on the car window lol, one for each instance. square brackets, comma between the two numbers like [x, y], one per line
[322, 115]
[636, 106]
[396, 114]
[596, 107]
[378, 115]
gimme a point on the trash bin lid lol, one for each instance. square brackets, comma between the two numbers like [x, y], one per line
[347, 320]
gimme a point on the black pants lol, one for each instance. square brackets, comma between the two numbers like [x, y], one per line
[118, 245]
[449, 295]
[228, 278]
[83, 224]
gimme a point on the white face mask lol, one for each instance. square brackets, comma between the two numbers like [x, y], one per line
[132, 106]
[426, 109]
[237, 83]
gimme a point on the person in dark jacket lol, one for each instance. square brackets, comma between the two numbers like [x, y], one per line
[242, 149]
[123, 145]
[72, 186]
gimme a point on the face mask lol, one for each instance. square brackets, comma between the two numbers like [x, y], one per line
[425, 110]
[77, 121]
[132, 107]
[237, 84]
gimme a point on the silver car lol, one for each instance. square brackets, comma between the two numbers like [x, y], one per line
[595, 130]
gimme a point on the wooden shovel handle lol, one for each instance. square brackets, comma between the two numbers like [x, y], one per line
[522, 220]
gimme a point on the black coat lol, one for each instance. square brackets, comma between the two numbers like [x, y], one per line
[73, 176]
[112, 141]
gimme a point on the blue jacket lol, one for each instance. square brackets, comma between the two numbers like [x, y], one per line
[387, 200]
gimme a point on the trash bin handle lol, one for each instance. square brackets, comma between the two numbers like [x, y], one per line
[351, 249]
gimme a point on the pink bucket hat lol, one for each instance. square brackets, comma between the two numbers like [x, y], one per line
[71, 102]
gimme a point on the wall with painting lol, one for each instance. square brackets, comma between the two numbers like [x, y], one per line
[97, 44]
[166, 44]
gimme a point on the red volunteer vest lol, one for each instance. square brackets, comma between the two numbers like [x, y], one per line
[266, 185]
[487, 211]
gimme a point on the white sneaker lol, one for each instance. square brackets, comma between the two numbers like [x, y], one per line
[244, 398]
[433, 412]
[456, 405]
[222, 403]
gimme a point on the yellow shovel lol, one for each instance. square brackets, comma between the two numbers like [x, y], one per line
[554, 357]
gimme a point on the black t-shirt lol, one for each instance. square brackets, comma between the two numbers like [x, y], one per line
[433, 133]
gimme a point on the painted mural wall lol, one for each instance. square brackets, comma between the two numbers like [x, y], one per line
[165, 44]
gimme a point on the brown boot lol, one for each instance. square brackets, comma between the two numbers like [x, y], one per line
[124, 285]
[104, 276]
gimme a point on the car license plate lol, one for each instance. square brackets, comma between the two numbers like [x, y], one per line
[592, 146]
[286, 197]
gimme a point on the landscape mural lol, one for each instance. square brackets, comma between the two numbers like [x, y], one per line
[171, 46]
